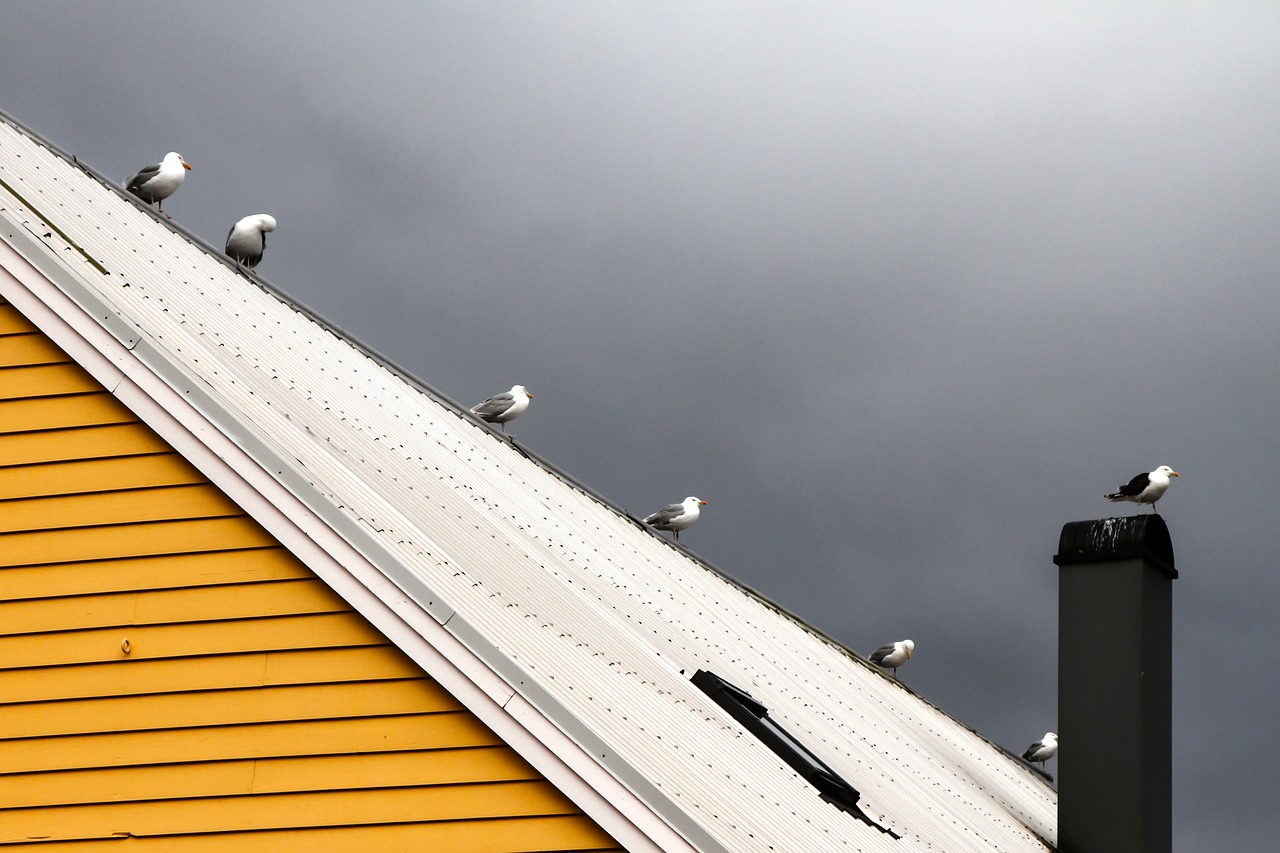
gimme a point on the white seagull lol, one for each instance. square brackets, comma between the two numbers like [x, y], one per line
[676, 517]
[893, 655]
[1042, 750]
[248, 238]
[156, 183]
[1145, 488]
[503, 407]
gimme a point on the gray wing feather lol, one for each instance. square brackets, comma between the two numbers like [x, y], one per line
[135, 183]
[667, 514]
[495, 405]
[882, 652]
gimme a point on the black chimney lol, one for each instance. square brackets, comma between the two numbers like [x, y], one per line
[1115, 686]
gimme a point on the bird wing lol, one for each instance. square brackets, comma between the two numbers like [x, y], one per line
[495, 405]
[1135, 486]
[142, 177]
[883, 652]
[667, 514]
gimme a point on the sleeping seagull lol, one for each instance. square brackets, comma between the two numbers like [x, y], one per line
[503, 407]
[893, 655]
[248, 238]
[1042, 750]
[1145, 488]
[156, 183]
[676, 517]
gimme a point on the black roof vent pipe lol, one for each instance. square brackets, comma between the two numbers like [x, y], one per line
[1115, 686]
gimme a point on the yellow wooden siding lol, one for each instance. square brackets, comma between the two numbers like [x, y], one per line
[150, 572]
[169, 675]
[12, 322]
[172, 678]
[460, 836]
[86, 476]
[27, 448]
[264, 740]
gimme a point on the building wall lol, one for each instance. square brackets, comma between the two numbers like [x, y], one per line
[170, 677]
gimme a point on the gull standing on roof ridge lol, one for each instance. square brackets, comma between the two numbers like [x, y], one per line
[1145, 488]
[247, 239]
[676, 517]
[157, 182]
[893, 655]
[1042, 750]
[504, 407]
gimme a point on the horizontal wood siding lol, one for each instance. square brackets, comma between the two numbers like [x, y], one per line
[172, 678]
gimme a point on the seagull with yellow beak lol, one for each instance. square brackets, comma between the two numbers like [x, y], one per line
[893, 655]
[1145, 488]
[156, 183]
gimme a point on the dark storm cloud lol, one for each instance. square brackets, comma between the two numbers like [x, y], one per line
[899, 290]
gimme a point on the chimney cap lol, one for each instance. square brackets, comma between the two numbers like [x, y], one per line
[1133, 537]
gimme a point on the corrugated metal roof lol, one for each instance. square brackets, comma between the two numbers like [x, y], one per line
[595, 621]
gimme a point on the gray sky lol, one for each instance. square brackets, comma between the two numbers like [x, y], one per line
[899, 288]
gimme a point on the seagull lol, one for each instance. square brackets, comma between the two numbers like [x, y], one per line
[1145, 488]
[1042, 750]
[156, 183]
[893, 655]
[248, 237]
[676, 517]
[503, 407]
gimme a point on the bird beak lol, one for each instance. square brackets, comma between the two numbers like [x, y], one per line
[908, 654]
[1173, 473]
[702, 503]
[186, 165]
[527, 394]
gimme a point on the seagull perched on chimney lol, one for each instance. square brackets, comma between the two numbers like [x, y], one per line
[1145, 488]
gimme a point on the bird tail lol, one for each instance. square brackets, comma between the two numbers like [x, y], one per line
[1115, 497]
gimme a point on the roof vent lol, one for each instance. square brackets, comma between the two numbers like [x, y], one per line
[754, 716]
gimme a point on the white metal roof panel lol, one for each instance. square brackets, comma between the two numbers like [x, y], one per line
[595, 621]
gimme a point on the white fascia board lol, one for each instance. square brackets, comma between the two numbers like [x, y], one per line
[110, 351]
